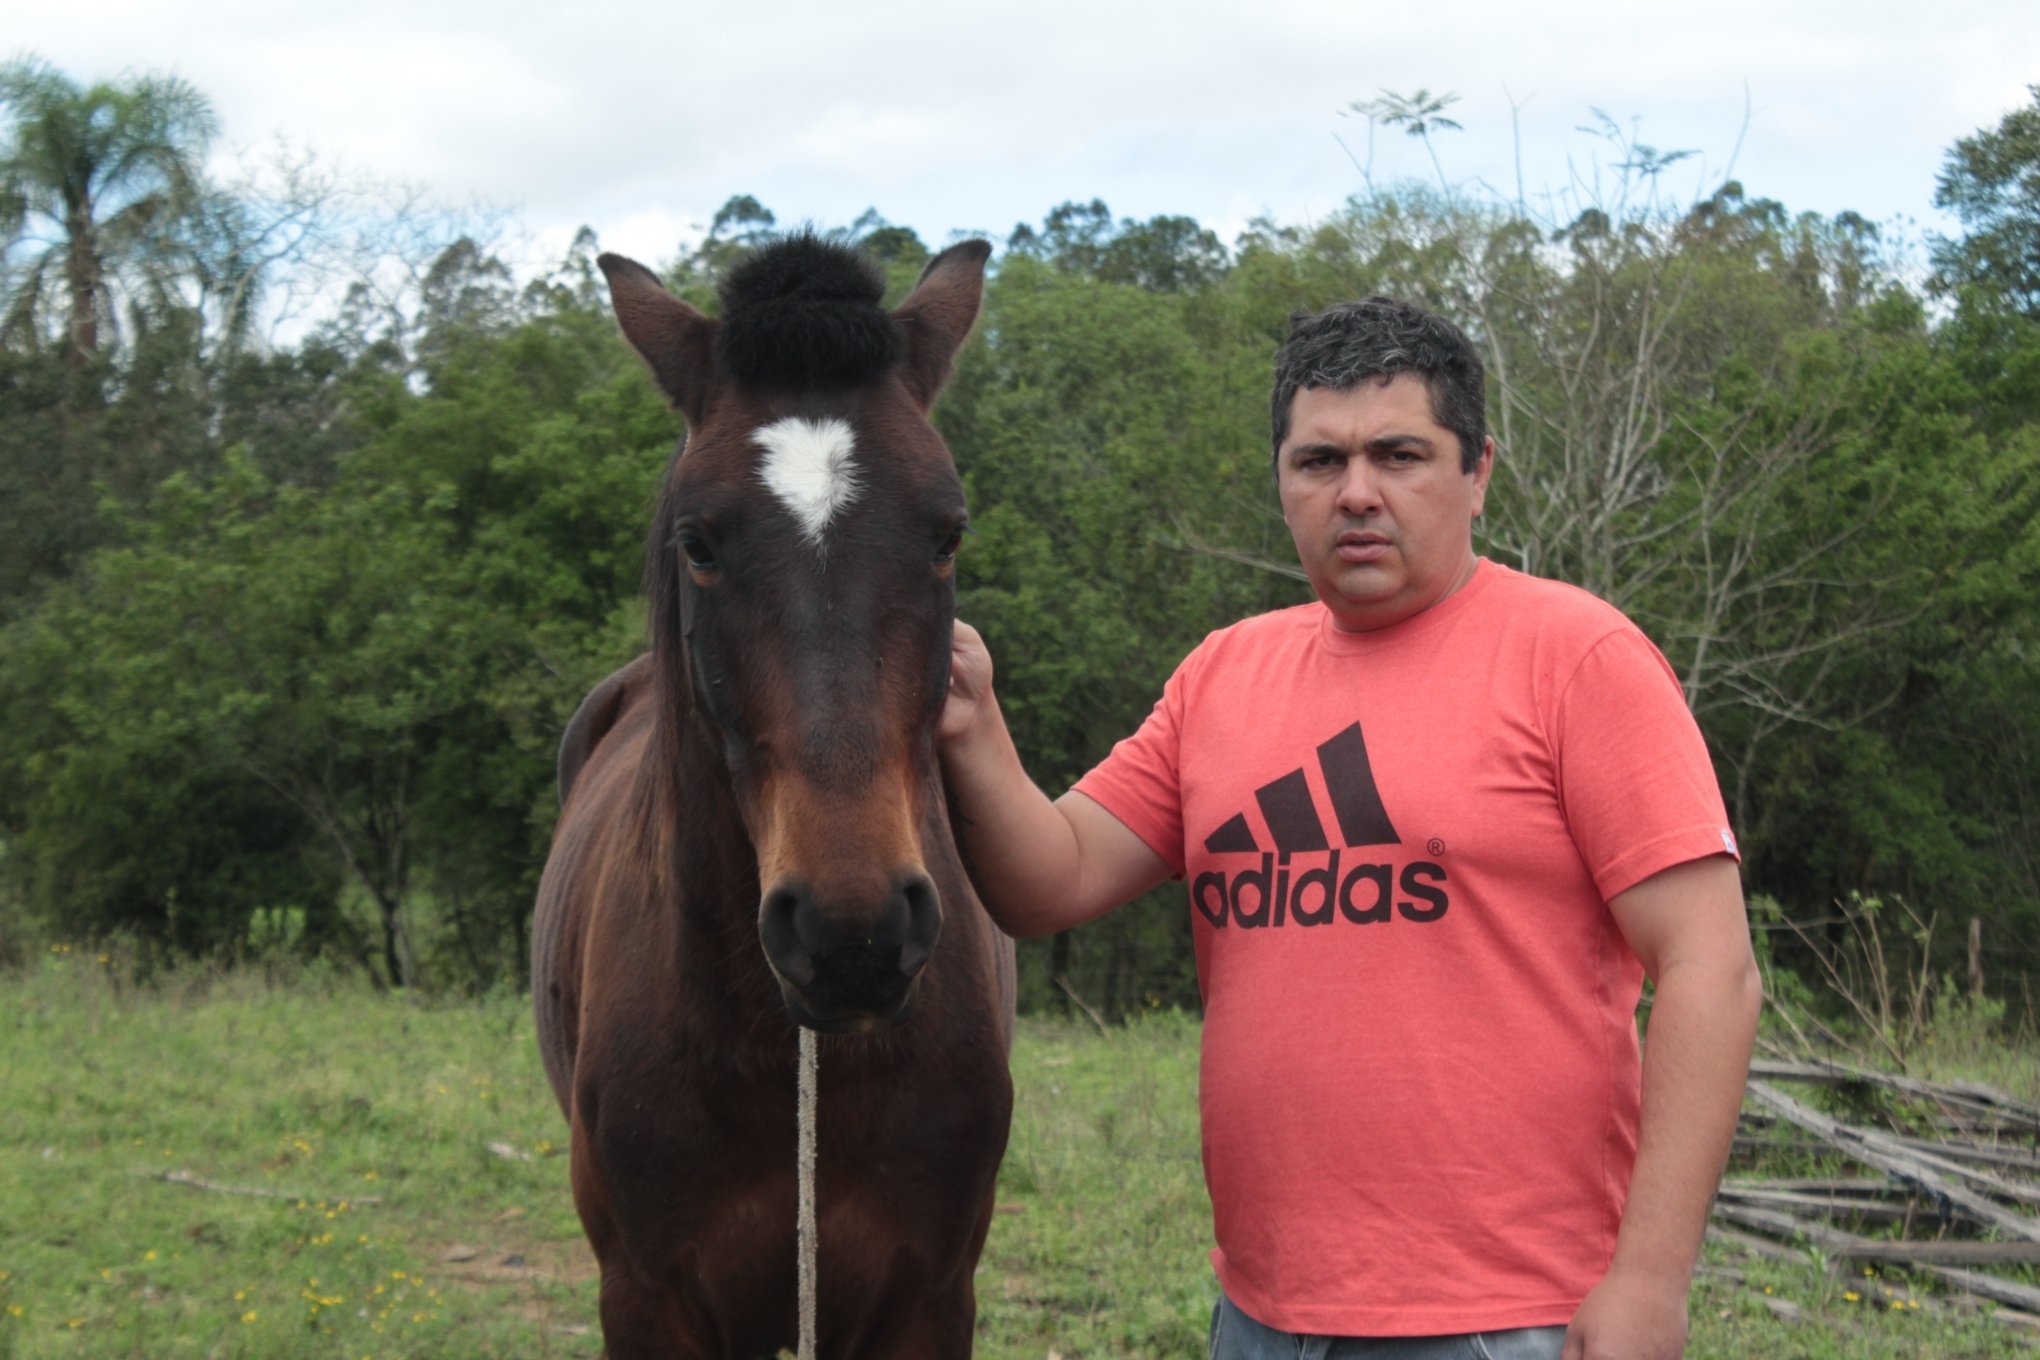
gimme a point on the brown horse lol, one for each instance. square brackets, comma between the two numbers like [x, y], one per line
[754, 836]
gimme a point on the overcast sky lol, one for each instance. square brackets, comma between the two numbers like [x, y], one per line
[640, 120]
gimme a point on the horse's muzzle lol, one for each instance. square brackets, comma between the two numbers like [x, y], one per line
[844, 967]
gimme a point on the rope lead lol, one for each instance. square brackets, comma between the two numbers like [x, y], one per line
[806, 1158]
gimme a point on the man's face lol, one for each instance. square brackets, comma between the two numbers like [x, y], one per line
[1375, 499]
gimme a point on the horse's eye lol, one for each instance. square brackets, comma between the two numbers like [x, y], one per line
[700, 556]
[947, 552]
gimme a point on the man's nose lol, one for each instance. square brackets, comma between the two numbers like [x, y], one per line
[1359, 491]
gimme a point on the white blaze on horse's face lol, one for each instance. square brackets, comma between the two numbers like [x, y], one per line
[809, 466]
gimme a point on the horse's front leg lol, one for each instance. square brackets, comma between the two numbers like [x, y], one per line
[906, 1315]
[640, 1321]
[937, 1327]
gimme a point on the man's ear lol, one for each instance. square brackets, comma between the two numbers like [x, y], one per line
[938, 315]
[1483, 473]
[674, 340]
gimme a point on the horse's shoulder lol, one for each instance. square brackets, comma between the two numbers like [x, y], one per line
[597, 714]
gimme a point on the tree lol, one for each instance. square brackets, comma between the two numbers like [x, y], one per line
[98, 178]
[1418, 115]
[1164, 254]
[1991, 181]
[1096, 424]
[340, 693]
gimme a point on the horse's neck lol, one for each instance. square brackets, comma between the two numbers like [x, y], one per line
[701, 869]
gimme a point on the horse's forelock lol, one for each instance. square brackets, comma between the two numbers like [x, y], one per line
[804, 312]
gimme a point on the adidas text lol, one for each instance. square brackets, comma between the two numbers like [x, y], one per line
[1277, 895]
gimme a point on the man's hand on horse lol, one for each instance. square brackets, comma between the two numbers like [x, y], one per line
[970, 683]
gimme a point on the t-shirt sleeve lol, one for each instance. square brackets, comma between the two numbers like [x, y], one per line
[1140, 783]
[1638, 789]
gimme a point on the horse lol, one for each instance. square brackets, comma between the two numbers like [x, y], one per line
[754, 837]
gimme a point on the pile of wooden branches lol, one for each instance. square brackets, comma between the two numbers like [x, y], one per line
[1942, 1179]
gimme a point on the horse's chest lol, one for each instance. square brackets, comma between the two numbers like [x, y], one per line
[710, 1170]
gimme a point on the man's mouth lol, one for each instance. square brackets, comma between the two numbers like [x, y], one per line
[1361, 545]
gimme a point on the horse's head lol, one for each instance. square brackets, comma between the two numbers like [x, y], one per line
[803, 592]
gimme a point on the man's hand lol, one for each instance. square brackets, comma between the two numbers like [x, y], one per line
[1627, 1317]
[970, 683]
[1039, 866]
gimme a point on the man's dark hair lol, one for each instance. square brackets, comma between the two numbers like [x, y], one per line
[1351, 342]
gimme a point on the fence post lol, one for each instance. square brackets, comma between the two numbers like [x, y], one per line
[1976, 956]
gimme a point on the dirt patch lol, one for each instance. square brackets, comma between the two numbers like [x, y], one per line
[502, 1256]
[499, 1258]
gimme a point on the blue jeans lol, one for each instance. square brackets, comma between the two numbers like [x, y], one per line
[1235, 1336]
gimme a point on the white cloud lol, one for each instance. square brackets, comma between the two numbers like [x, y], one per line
[641, 122]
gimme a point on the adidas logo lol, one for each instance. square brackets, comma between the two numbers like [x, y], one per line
[1278, 891]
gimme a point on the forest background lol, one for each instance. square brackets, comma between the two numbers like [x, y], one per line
[288, 631]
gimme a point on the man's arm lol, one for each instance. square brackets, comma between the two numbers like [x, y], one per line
[1688, 926]
[1040, 866]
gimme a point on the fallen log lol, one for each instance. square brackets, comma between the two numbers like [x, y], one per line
[1936, 1176]
[1970, 1095]
[1829, 1185]
[2016, 1159]
[185, 1178]
[1848, 1246]
[1859, 1207]
[1754, 1244]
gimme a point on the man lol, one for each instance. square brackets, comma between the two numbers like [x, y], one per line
[1436, 827]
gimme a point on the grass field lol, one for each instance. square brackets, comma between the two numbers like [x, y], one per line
[416, 1197]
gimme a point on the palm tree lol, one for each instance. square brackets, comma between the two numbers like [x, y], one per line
[1418, 114]
[93, 180]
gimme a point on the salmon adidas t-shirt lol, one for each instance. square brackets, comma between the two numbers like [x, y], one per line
[1420, 1078]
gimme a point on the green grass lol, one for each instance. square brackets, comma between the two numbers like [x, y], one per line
[320, 1088]
[324, 1091]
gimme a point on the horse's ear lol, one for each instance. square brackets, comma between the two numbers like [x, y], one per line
[939, 313]
[677, 342]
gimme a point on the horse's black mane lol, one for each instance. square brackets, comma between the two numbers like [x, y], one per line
[804, 311]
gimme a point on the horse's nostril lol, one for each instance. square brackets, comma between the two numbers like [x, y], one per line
[779, 933]
[842, 961]
[924, 922]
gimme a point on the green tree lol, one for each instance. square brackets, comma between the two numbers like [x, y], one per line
[1991, 181]
[1165, 254]
[94, 181]
[1097, 426]
[1418, 115]
[345, 669]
